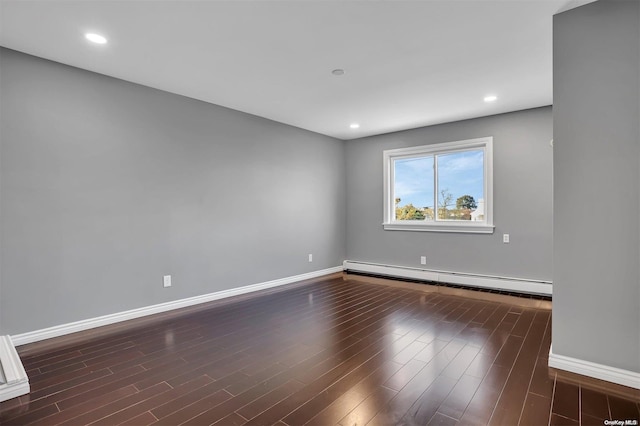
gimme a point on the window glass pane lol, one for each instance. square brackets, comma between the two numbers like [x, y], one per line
[413, 188]
[461, 186]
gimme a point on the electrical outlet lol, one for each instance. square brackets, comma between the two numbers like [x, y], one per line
[310, 257]
[166, 280]
[505, 238]
[423, 260]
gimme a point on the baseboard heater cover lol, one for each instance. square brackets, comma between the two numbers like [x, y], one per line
[516, 285]
[13, 378]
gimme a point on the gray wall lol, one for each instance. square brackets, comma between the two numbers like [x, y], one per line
[522, 200]
[596, 301]
[106, 186]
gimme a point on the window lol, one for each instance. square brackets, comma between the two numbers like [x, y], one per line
[444, 187]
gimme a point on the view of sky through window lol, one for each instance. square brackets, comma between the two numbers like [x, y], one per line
[459, 174]
[414, 181]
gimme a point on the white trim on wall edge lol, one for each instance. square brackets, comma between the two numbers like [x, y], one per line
[16, 381]
[592, 369]
[73, 327]
[474, 280]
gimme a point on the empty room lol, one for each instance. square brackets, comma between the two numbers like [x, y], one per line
[309, 212]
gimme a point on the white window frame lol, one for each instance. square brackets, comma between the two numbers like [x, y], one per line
[483, 227]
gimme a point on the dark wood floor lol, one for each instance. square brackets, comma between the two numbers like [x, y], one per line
[334, 351]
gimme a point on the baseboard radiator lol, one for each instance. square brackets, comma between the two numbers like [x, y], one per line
[516, 285]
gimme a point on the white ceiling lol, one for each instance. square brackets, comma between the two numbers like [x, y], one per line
[408, 63]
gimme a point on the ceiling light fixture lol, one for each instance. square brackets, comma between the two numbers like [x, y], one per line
[354, 126]
[95, 38]
[490, 98]
[338, 71]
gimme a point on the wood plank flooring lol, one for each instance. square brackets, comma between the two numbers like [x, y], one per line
[334, 351]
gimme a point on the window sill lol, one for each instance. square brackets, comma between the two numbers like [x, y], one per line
[445, 227]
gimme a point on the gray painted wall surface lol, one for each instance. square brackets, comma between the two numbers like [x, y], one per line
[522, 200]
[106, 186]
[596, 300]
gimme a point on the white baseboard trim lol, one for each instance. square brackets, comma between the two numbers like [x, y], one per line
[13, 379]
[73, 327]
[473, 280]
[591, 369]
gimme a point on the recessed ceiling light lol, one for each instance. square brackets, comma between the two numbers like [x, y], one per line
[490, 98]
[95, 38]
[354, 125]
[338, 71]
